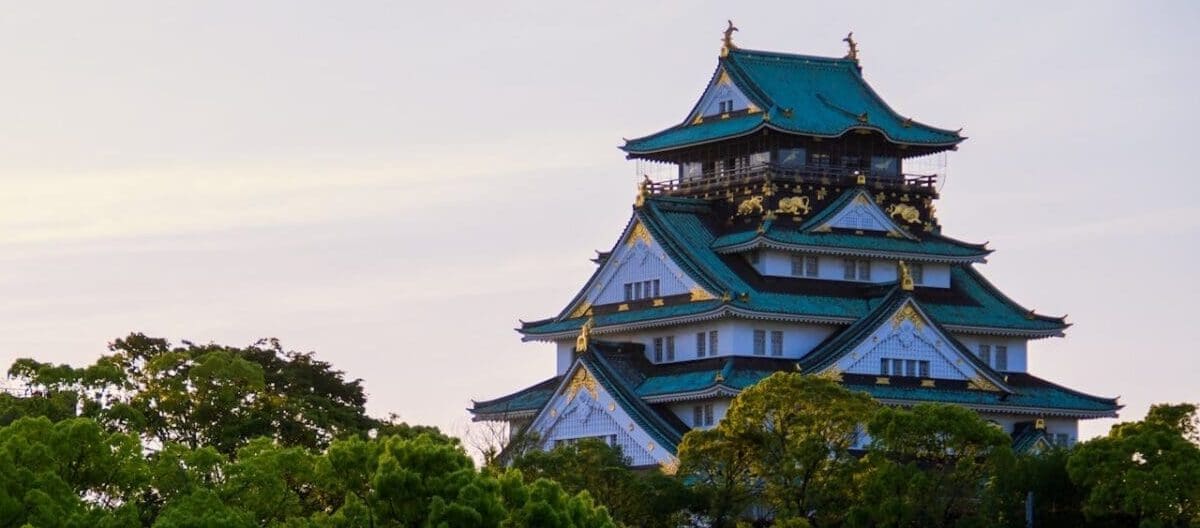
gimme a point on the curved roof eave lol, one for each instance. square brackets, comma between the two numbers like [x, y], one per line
[770, 125]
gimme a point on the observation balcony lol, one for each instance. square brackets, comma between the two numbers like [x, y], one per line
[727, 179]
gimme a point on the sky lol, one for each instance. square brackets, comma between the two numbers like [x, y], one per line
[394, 186]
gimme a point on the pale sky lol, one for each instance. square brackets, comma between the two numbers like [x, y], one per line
[395, 186]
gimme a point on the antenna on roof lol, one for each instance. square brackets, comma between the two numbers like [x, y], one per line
[728, 40]
[849, 40]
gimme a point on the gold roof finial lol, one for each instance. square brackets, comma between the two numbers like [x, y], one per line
[643, 191]
[849, 40]
[585, 332]
[906, 280]
[728, 40]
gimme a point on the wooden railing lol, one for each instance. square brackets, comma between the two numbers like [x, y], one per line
[720, 180]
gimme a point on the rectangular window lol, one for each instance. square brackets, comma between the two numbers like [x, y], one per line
[855, 269]
[708, 414]
[712, 343]
[690, 171]
[776, 343]
[918, 273]
[637, 291]
[804, 266]
[820, 159]
[910, 368]
[760, 342]
[628, 291]
[897, 367]
[670, 348]
[697, 416]
[657, 284]
[700, 344]
[793, 158]
[985, 354]
[885, 166]
[883, 366]
[1001, 358]
[924, 367]
[658, 350]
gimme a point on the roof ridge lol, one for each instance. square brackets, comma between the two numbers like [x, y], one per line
[1064, 388]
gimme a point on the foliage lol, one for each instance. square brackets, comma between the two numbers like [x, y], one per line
[645, 498]
[933, 465]
[1145, 473]
[795, 433]
[199, 395]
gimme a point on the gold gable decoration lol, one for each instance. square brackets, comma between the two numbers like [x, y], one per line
[700, 294]
[908, 313]
[582, 380]
[831, 374]
[982, 384]
[639, 232]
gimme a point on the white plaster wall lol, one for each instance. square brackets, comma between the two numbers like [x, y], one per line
[565, 352]
[684, 411]
[635, 264]
[1018, 356]
[710, 102]
[734, 337]
[779, 264]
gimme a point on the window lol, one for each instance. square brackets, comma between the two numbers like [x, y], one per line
[820, 159]
[700, 344]
[793, 158]
[658, 350]
[804, 265]
[903, 367]
[670, 342]
[702, 415]
[1001, 358]
[725, 106]
[856, 269]
[917, 271]
[712, 343]
[885, 166]
[776, 342]
[760, 342]
[636, 291]
[691, 170]
[985, 354]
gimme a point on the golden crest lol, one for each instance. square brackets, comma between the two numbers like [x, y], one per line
[700, 294]
[582, 310]
[906, 280]
[582, 381]
[639, 232]
[908, 313]
[585, 333]
[979, 383]
[831, 374]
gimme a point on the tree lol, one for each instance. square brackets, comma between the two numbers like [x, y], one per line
[719, 474]
[933, 465]
[796, 432]
[1144, 474]
[202, 395]
[634, 498]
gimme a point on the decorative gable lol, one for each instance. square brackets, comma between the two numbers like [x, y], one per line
[907, 343]
[583, 408]
[638, 260]
[722, 97]
[861, 213]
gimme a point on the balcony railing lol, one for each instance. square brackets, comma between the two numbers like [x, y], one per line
[723, 179]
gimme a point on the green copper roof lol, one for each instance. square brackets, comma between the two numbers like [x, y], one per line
[525, 400]
[679, 225]
[933, 246]
[801, 94]
[666, 430]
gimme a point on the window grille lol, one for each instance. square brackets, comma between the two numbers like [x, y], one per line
[700, 344]
[760, 342]
[776, 343]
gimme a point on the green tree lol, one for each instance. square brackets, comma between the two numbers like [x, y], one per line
[635, 498]
[796, 433]
[719, 473]
[933, 465]
[1143, 474]
[199, 395]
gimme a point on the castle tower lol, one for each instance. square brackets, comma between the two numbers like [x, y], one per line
[795, 234]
